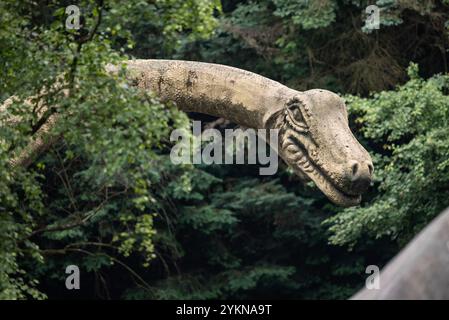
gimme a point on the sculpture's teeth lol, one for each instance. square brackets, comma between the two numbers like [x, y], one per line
[310, 164]
[303, 160]
[285, 143]
[309, 169]
[292, 148]
[297, 157]
[307, 165]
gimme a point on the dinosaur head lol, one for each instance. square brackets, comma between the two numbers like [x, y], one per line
[316, 142]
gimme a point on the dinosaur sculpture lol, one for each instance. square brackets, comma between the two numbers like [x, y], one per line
[314, 136]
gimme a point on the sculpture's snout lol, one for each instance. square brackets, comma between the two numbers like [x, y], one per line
[360, 174]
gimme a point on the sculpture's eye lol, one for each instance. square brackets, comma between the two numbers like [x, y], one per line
[295, 118]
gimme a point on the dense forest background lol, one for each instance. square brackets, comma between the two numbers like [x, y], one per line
[108, 200]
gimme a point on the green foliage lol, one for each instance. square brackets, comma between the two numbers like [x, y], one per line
[101, 176]
[149, 28]
[107, 198]
[409, 127]
[323, 43]
[235, 237]
[309, 14]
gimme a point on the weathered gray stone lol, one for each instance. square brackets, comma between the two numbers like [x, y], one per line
[420, 271]
[315, 139]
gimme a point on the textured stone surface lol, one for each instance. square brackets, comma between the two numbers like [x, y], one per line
[315, 139]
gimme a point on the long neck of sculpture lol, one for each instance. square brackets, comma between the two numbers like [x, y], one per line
[237, 95]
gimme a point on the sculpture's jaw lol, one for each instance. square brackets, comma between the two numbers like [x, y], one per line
[302, 165]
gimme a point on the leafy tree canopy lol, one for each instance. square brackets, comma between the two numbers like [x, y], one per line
[107, 199]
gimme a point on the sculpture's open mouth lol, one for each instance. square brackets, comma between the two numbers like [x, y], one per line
[300, 161]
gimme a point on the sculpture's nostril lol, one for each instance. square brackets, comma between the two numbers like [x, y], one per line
[370, 168]
[354, 169]
[360, 175]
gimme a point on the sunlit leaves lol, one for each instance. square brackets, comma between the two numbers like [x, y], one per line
[411, 125]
